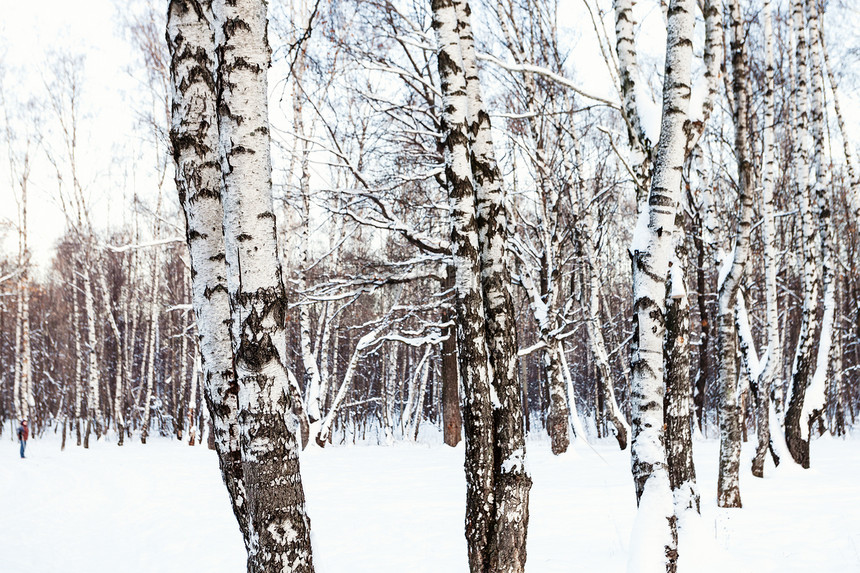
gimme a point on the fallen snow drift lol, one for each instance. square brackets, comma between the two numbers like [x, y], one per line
[161, 507]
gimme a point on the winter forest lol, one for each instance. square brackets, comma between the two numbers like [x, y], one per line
[430, 285]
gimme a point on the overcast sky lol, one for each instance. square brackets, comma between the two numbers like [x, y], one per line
[30, 32]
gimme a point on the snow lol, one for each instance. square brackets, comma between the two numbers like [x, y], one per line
[724, 262]
[814, 398]
[162, 507]
[641, 233]
[651, 533]
[679, 289]
[756, 366]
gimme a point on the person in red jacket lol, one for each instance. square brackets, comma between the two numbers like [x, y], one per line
[23, 434]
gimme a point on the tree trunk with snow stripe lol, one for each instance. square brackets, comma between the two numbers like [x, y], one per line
[472, 348]
[814, 401]
[76, 325]
[497, 484]
[678, 399]
[312, 378]
[628, 71]
[728, 490]
[94, 414]
[796, 430]
[774, 353]
[452, 420]
[651, 251]
[154, 315]
[512, 482]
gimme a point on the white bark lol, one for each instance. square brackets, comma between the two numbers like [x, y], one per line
[795, 432]
[575, 421]
[651, 250]
[507, 548]
[195, 139]
[192, 400]
[76, 324]
[728, 491]
[93, 399]
[279, 528]
[773, 355]
[814, 401]
[411, 413]
[472, 350]
[847, 148]
[628, 72]
[154, 314]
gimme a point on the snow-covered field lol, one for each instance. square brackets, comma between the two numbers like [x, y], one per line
[162, 508]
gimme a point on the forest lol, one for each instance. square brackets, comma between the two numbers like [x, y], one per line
[502, 222]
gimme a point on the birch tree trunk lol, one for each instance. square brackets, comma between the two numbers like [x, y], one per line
[312, 378]
[545, 300]
[16, 381]
[773, 360]
[511, 481]
[327, 424]
[847, 148]
[194, 137]
[24, 359]
[678, 398]
[180, 405]
[472, 349]
[796, 428]
[93, 401]
[422, 391]
[651, 251]
[131, 318]
[192, 413]
[628, 73]
[153, 345]
[119, 418]
[814, 401]
[452, 421]
[728, 491]
[279, 528]
[76, 325]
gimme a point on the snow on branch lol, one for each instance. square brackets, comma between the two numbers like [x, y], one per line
[547, 73]
[136, 246]
[11, 275]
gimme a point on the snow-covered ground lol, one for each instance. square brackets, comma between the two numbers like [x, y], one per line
[162, 508]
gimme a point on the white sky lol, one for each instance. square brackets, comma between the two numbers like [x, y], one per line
[29, 33]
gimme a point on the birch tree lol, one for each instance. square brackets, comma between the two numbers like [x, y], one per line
[279, 529]
[796, 424]
[814, 400]
[773, 360]
[18, 154]
[195, 140]
[651, 251]
[497, 484]
[728, 492]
